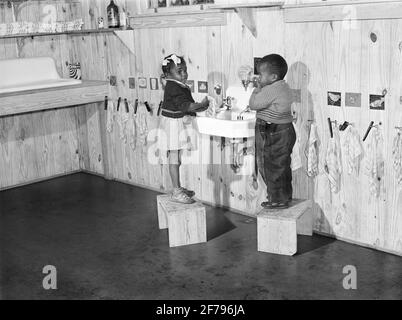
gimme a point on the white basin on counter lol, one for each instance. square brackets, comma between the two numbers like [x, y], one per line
[31, 73]
[226, 125]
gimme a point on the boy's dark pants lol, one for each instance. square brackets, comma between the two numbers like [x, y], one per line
[274, 146]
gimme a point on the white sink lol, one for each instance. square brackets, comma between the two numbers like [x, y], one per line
[226, 125]
[31, 73]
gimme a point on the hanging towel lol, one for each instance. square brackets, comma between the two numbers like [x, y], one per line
[142, 126]
[296, 159]
[375, 161]
[123, 117]
[333, 163]
[352, 150]
[131, 127]
[211, 111]
[397, 157]
[110, 117]
[312, 157]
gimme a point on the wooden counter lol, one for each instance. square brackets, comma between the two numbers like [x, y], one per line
[52, 98]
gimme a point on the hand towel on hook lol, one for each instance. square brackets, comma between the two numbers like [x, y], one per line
[375, 161]
[333, 163]
[397, 157]
[352, 150]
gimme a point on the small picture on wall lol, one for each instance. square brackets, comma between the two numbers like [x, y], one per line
[377, 102]
[334, 98]
[161, 3]
[142, 83]
[202, 1]
[154, 83]
[202, 87]
[190, 83]
[131, 83]
[353, 99]
[179, 2]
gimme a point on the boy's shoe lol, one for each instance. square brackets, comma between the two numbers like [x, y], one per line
[180, 196]
[188, 192]
[275, 205]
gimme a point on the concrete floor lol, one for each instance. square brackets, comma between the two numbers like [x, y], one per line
[104, 240]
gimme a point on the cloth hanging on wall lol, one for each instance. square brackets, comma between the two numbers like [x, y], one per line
[110, 117]
[375, 161]
[333, 162]
[296, 159]
[122, 119]
[352, 150]
[211, 111]
[142, 126]
[397, 157]
[312, 156]
[131, 127]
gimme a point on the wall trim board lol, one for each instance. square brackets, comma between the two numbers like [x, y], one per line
[40, 180]
[143, 186]
[347, 11]
[187, 19]
[357, 243]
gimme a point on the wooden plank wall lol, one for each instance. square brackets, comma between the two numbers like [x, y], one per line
[42, 144]
[322, 57]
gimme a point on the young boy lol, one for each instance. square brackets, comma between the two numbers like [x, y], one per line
[274, 132]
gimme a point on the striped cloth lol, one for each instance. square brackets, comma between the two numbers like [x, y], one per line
[333, 162]
[375, 161]
[110, 117]
[312, 157]
[397, 157]
[353, 150]
[296, 163]
[273, 103]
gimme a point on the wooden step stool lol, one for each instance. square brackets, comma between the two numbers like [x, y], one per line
[277, 229]
[186, 222]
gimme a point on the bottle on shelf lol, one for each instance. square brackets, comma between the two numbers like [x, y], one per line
[123, 19]
[113, 17]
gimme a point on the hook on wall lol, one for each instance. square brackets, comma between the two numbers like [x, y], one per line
[371, 126]
[330, 127]
[106, 102]
[135, 106]
[160, 108]
[118, 103]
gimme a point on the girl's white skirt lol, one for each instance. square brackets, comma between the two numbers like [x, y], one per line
[177, 134]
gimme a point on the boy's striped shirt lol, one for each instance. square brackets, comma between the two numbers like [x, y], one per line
[273, 103]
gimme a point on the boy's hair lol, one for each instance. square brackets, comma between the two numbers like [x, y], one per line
[170, 61]
[276, 64]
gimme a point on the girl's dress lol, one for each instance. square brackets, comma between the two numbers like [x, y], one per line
[176, 124]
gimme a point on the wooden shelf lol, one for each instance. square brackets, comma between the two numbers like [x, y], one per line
[247, 5]
[69, 33]
[178, 19]
[342, 11]
[52, 98]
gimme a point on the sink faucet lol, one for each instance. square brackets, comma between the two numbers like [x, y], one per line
[240, 116]
[226, 102]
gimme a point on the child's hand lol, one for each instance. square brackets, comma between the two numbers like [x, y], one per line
[203, 105]
[205, 102]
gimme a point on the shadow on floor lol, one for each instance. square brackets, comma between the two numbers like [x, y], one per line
[217, 224]
[307, 244]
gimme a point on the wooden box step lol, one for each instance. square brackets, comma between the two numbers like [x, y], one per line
[186, 222]
[277, 229]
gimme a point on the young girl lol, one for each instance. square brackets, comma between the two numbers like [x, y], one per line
[178, 105]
